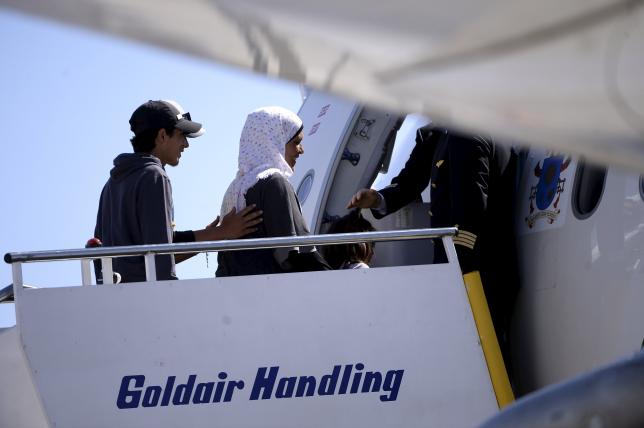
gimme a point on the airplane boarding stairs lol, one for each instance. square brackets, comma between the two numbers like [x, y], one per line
[382, 347]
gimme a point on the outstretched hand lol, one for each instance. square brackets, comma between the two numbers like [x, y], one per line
[237, 224]
[364, 198]
[233, 225]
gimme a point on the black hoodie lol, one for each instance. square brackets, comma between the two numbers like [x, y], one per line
[136, 208]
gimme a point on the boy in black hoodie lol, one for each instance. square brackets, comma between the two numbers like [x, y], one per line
[136, 208]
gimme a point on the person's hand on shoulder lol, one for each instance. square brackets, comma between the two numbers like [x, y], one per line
[237, 224]
[233, 225]
[364, 198]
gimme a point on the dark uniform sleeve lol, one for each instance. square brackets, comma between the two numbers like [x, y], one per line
[414, 177]
[474, 189]
[467, 170]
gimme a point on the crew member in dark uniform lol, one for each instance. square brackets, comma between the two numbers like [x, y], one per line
[472, 187]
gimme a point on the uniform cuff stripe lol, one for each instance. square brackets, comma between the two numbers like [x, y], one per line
[464, 244]
[466, 234]
[465, 239]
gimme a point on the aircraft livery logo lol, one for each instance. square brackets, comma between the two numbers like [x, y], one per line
[546, 194]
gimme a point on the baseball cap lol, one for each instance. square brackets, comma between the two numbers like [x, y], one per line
[164, 114]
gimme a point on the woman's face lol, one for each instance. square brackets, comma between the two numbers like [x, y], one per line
[294, 149]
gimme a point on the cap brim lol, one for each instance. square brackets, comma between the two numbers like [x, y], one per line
[191, 129]
[197, 134]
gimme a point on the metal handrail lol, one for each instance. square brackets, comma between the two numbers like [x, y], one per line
[227, 245]
[7, 294]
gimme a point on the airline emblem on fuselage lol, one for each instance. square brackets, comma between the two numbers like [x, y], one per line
[548, 189]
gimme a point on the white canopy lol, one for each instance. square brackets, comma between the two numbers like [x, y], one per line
[564, 75]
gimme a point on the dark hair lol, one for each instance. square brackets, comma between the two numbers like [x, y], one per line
[144, 142]
[337, 255]
[296, 134]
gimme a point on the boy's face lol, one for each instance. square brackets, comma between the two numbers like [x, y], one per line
[169, 147]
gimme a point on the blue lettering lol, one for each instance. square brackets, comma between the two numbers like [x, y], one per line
[203, 391]
[328, 382]
[392, 384]
[372, 381]
[356, 379]
[130, 399]
[285, 387]
[220, 387]
[151, 396]
[232, 384]
[264, 383]
[167, 391]
[344, 383]
[184, 391]
[349, 378]
[307, 382]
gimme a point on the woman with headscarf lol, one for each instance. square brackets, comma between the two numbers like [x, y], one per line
[270, 143]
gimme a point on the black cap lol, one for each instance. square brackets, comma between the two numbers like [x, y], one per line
[164, 114]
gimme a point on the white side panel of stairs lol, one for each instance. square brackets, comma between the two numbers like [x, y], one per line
[410, 324]
[19, 405]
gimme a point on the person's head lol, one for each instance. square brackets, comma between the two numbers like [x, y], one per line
[272, 137]
[160, 128]
[294, 149]
[262, 151]
[337, 255]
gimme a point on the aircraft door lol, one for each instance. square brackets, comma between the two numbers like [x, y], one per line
[345, 146]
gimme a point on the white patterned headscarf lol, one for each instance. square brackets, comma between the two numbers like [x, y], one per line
[261, 152]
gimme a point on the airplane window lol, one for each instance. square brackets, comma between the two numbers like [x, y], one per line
[305, 185]
[588, 189]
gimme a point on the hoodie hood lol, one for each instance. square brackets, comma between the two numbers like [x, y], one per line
[127, 163]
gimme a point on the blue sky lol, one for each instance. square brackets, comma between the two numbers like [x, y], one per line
[67, 97]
